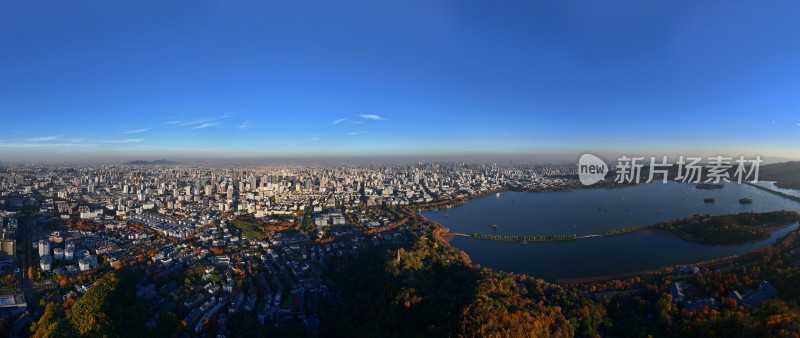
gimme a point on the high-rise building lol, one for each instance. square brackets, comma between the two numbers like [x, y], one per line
[58, 253]
[69, 251]
[44, 248]
[8, 245]
[46, 262]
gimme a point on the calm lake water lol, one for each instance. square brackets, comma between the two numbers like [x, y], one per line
[590, 211]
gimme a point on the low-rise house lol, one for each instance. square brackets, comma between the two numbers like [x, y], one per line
[754, 297]
[677, 290]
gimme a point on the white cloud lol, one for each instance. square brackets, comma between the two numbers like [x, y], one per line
[798, 124]
[130, 140]
[45, 138]
[371, 117]
[352, 133]
[192, 123]
[226, 115]
[205, 125]
[338, 121]
[200, 124]
[136, 131]
[244, 126]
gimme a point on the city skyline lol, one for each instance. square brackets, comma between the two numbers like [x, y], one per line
[248, 81]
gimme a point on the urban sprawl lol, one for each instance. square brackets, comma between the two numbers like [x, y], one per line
[211, 241]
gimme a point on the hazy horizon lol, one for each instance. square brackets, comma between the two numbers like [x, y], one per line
[374, 159]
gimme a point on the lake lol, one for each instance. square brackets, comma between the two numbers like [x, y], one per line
[591, 211]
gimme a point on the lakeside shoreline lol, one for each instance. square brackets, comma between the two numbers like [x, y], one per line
[651, 272]
[443, 235]
[778, 193]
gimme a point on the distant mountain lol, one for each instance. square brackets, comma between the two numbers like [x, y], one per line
[154, 162]
[785, 174]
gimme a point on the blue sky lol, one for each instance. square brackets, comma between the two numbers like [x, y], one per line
[203, 79]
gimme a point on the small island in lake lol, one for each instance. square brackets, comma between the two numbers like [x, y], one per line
[709, 200]
[729, 229]
[541, 238]
[627, 230]
[709, 186]
[746, 200]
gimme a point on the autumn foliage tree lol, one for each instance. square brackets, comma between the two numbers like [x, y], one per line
[109, 309]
